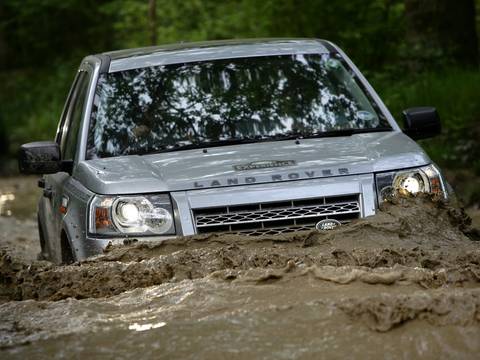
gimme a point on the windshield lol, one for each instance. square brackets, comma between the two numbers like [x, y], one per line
[268, 98]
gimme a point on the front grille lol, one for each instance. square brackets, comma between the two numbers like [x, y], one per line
[273, 218]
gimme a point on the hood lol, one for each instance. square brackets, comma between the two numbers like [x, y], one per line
[251, 163]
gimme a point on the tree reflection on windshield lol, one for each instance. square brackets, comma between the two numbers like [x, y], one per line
[150, 109]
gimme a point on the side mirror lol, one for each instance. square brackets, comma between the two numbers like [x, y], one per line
[421, 122]
[41, 157]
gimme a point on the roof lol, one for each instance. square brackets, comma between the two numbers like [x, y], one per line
[209, 50]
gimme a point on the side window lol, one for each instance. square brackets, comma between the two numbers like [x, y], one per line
[59, 134]
[74, 117]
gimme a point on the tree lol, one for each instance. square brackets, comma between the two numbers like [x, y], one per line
[442, 31]
[3, 42]
[152, 19]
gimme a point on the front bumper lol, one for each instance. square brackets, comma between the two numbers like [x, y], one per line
[185, 203]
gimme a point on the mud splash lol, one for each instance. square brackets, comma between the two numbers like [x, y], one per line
[410, 275]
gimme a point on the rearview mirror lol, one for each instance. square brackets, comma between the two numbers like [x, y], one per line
[41, 157]
[421, 122]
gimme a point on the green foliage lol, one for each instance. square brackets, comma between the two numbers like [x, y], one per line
[129, 23]
[454, 92]
[32, 101]
[372, 35]
[41, 32]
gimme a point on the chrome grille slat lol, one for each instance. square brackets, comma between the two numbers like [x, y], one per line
[270, 218]
[272, 231]
[261, 216]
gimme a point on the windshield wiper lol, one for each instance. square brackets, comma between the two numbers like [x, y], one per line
[202, 145]
[332, 133]
[345, 132]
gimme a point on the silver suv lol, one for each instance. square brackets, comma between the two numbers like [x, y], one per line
[260, 137]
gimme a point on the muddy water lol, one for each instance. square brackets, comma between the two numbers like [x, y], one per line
[293, 318]
[18, 225]
[402, 284]
[18, 197]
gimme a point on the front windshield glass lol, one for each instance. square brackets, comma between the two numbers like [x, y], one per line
[185, 105]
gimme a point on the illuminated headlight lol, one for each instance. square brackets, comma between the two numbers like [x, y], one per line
[133, 215]
[426, 179]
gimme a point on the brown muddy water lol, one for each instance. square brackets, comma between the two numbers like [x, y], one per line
[403, 284]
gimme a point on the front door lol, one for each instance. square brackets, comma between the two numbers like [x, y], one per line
[67, 137]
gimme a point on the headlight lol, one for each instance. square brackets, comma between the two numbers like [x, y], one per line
[426, 179]
[133, 215]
